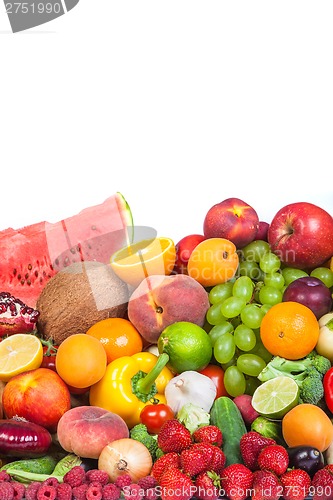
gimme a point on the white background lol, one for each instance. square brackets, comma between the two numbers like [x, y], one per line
[176, 104]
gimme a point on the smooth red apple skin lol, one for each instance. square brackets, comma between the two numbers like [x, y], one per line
[232, 219]
[184, 248]
[39, 396]
[262, 233]
[301, 234]
[312, 293]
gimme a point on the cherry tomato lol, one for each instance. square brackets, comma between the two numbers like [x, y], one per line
[49, 357]
[153, 416]
[216, 374]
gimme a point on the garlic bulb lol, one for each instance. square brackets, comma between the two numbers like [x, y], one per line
[190, 387]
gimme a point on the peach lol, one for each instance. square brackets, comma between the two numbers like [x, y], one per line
[86, 430]
[160, 301]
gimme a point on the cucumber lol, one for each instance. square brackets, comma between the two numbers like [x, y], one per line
[41, 465]
[227, 417]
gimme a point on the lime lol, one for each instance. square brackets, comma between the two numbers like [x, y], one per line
[188, 346]
[274, 398]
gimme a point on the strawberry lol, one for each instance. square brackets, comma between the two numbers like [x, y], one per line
[164, 462]
[174, 436]
[214, 457]
[208, 434]
[275, 458]
[296, 484]
[251, 444]
[207, 486]
[266, 486]
[322, 485]
[236, 481]
[175, 485]
[193, 460]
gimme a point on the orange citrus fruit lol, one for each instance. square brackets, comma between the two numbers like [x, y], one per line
[290, 330]
[19, 353]
[81, 360]
[307, 425]
[146, 258]
[118, 336]
[213, 261]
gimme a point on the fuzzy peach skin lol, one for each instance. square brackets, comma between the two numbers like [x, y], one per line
[160, 301]
[86, 430]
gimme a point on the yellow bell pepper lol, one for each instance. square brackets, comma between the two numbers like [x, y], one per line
[130, 383]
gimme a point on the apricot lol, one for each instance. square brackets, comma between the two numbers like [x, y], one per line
[160, 301]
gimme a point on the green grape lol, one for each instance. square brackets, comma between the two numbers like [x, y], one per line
[251, 384]
[220, 292]
[214, 315]
[245, 338]
[250, 269]
[232, 306]
[224, 348]
[250, 364]
[252, 315]
[255, 250]
[243, 288]
[291, 274]
[324, 274]
[232, 362]
[265, 308]
[274, 279]
[261, 351]
[234, 381]
[220, 329]
[257, 289]
[269, 263]
[270, 295]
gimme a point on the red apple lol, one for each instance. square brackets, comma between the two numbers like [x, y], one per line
[232, 219]
[301, 234]
[262, 232]
[184, 249]
[39, 396]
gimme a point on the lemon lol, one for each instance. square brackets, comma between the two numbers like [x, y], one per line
[188, 346]
[275, 397]
[135, 262]
[19, 353]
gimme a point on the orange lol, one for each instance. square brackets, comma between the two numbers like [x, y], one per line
[213, 261]
[118, 336]
[81, 360]
[290, 330]
[307, 425]
[147, 257]
[19, 353]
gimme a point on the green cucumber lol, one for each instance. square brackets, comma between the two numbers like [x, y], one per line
[41, 465]
[227, 417]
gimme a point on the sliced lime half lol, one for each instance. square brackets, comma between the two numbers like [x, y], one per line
[274, 398]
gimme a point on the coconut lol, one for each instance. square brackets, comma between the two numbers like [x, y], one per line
[77, 297]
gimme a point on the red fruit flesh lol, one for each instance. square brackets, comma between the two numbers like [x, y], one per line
[15, 316]
[30, 256]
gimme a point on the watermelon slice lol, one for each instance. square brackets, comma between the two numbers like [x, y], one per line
[30, 256]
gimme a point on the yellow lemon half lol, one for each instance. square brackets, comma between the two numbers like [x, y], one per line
[19, 353]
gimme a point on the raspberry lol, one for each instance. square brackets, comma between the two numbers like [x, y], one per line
[4, 476]
[31, 490]
[79, 492]
[94, 492]
[19, 490]
[6, 491]
[133, 492]
[64, 491]
[147, 482]
[46, 492]
[151, 494]
[51, 481]
[97, 475]
[111, 492]
[75, 476]
[123, 480]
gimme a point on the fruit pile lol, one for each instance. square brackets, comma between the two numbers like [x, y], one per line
[131, 366]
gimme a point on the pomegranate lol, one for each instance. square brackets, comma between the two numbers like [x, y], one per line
[16, 316]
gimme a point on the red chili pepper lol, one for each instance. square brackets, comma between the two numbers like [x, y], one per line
[328, 388]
